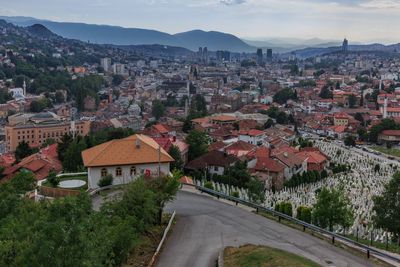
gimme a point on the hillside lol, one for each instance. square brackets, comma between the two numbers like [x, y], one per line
[213, 41]
[104, 34]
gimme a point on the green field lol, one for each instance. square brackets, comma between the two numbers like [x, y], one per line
[260, 256]
[389, 151]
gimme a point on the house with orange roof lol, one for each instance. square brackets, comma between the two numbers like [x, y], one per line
[40, 164]
[240, 149]
[316, 161]
[126, 159]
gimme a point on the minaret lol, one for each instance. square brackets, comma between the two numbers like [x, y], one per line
[380, 85]
[24, 87]
[186, 108]
[385, 104]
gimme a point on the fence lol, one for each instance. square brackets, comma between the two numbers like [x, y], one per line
[367, 249]
[57, 192]
[154, 258]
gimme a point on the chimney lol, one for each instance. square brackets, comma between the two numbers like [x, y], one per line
[285, 154]
[138, 143]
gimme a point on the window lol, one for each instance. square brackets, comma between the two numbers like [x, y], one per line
[103, 172]
[133, 170]
[216, 168]
[118, 171]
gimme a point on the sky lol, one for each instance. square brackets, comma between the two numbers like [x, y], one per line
[357, 20]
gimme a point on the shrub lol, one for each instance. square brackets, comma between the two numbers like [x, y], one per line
[304, 214]
[53, 179]
[285, 208]
[209, 185]
[235, 194]
[106, 180]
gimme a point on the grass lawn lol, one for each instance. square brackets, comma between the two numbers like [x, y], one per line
[82, 177]
[389, 151]
[260, 256]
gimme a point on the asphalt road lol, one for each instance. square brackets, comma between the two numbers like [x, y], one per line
[205, 226]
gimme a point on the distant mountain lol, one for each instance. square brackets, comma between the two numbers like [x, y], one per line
[104, 34]
[317, 51]
[40, 31]
[213, 41]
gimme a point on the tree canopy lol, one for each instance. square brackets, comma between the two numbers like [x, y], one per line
[198, 143]
[284, 95]
[332, 208]
[387, 207]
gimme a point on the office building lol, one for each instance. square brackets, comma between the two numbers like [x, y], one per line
[259, 56]
[105, 63]
[269, 54]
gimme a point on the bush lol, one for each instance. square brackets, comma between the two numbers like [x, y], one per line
[235, 194]
[106, 180]
[285, 208]
[209, 185]
[53, 179]
[304, 214]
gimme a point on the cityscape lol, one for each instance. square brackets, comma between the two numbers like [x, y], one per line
[168, 146]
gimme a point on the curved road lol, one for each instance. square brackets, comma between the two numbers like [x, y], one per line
[205, 226]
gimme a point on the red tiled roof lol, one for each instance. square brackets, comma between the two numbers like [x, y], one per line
[313, 157]
[161, 128]
[253, 132]
[391, 132]
[269, 164]
[164, 142]
[241, 145]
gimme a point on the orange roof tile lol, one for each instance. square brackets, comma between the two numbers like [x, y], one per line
[125, 152]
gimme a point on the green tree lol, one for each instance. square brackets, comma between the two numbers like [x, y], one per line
[304, 214]
[72, 158]
[255, 189]
[268, 124]
[325, 93]
[284, 95]
[282, 118]
[349, 141]
[362, 134]
[332, 208]
[23, 150]
[53, 179]
[158, 109]
[117, 79]
[23, 181]
[59, 97]
[198, 107]
[165, 189]
[106, 180]
[198, 143]
[352, 101]
[175, 153]
[387, 207]
[63, 145]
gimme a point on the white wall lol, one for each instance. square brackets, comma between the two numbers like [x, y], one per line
[94, 173]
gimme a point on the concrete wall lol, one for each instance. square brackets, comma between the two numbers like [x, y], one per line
[94, 173]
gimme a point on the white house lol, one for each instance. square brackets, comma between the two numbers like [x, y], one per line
[254, 137]
[125, 159]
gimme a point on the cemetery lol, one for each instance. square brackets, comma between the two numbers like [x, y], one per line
[364, 178]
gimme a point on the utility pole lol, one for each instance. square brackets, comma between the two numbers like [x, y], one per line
[159, 160]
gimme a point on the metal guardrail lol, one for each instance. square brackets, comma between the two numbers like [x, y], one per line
[369, 250]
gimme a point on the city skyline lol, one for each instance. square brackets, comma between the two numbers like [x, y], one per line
[358, 20]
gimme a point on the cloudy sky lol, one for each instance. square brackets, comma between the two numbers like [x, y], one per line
[358, 20]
